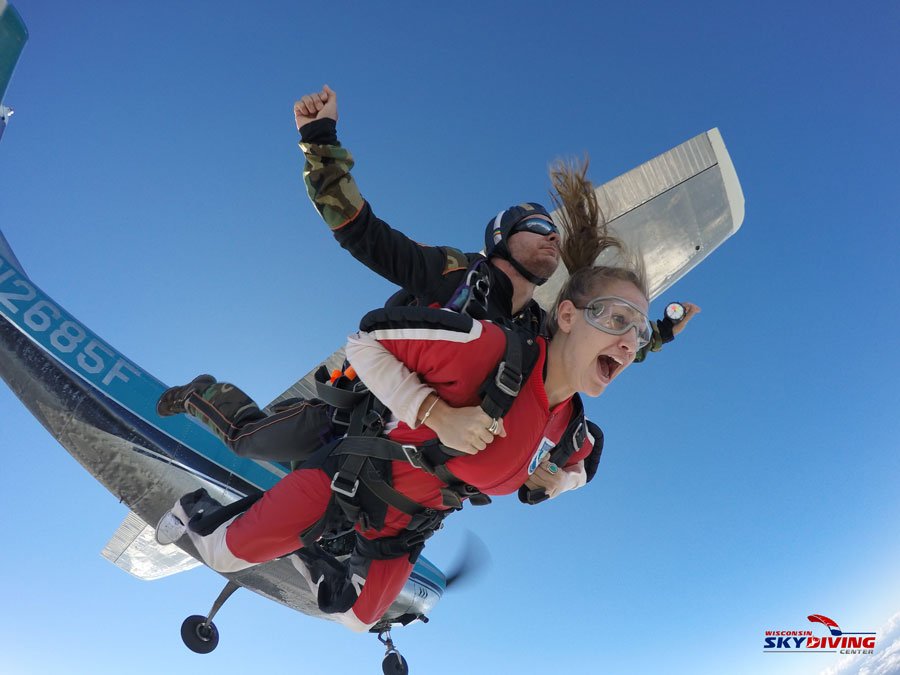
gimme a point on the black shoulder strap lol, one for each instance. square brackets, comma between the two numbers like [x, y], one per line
[592, 460]
[498, 392]
[573, 437]
[386, 318]
[342, 397]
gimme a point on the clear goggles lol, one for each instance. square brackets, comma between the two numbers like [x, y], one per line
[617, 316]
[536, 225]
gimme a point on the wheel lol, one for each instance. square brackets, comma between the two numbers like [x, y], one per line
[199, 636]
[394, 664]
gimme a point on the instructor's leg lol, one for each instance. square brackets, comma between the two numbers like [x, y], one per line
[291, 434]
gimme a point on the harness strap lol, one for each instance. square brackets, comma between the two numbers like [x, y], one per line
[458, 490]
[334, 517]
[338, 397]
[430, 458]
[379, 487]
[379, 447]
[573, 437]
[409, 543]
[471, 296]
[590, 464]
[498, 392]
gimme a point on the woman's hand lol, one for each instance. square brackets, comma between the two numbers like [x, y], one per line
[467, 429]
[556, 479]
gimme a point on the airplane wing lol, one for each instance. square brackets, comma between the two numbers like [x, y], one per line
[674, 210]
[12, 39]
[133, 548]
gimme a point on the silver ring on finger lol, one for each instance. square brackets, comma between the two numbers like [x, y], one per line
[495, 426]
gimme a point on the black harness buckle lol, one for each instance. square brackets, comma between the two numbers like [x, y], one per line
[477, 498]
[340, 417]
[415, 457]
[508, 379]
[373, 423]
[579, 437]
[535, 496]
[344, 486]
[481, 288]
[472, 296]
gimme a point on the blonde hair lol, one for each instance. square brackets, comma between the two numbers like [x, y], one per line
[585, 237]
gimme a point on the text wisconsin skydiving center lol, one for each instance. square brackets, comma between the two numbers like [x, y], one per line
[804, 640]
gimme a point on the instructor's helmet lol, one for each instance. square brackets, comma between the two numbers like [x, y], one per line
[499, 230]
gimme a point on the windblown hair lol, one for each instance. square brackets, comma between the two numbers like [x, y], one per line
[584, 237]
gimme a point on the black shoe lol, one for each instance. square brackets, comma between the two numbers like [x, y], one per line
[173, 399]
[198, 503]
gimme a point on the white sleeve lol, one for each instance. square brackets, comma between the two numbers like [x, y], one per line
[388, 378]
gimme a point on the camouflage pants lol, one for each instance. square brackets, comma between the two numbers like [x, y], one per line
[295, 429]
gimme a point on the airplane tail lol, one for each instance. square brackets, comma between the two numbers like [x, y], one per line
[7, 254]
[100, 407]
[13, 36]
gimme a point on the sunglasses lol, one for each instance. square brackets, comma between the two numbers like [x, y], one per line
[536, 225]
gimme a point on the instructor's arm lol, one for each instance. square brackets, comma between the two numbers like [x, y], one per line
[391, 254]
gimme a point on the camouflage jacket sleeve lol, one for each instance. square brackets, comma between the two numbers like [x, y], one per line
[327, 175]
[422, 270]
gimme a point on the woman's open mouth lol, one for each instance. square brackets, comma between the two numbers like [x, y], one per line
[607, 367]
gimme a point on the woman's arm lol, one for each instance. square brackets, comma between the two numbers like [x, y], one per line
[388, 252]
[464, 429]
[448, 351]
[384, 374]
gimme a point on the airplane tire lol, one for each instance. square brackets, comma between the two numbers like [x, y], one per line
[394, 664]
[198, 636]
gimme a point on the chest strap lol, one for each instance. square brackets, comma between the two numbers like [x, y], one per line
[429, 457]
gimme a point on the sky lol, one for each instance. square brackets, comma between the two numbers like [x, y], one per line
[151, 184]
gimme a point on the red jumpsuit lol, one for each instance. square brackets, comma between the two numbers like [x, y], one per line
[455, 365]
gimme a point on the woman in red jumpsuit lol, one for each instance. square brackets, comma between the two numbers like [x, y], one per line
[599, 323]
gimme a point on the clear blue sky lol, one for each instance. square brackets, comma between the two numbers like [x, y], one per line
[151, 184]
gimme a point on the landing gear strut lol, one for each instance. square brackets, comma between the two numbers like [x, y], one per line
[393, 663]
[199, 633]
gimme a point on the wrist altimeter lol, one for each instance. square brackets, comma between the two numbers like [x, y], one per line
[675, 312]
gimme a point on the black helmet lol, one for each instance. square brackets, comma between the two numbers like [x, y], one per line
[499, 229]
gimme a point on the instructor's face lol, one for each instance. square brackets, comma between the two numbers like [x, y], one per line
[539, 254]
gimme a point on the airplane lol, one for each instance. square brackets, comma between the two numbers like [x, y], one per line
[12, 38]
[101, 406]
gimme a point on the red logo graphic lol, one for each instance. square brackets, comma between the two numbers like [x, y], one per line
[830, 624]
